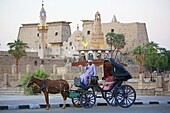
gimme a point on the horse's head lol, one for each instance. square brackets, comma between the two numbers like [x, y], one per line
[31, 81]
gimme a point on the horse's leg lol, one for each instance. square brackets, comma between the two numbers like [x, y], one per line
[46, 99]
[64, 98]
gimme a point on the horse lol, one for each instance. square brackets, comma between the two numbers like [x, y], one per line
[50, 86]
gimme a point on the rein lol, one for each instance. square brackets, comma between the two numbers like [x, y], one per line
[43, 85]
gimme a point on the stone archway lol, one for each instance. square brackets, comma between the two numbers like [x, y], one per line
[90, 56]
[82, 57]
[99, 55]
[106, 55]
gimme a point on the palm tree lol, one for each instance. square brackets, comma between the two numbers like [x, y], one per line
[138, 54]
[17, 49]
[110, 40]
[152, 45]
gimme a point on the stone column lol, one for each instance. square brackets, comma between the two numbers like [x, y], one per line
[140, 81]
[42, 67]
[102, 72]
[169, 83]
[28, 67]
[63, 72]
[81, 69]
[159, 86]
[54, 69]
[19, 76]
[6, 80]
[13, 70]
[159, 82]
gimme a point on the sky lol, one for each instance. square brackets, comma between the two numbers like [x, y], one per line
[154, 13]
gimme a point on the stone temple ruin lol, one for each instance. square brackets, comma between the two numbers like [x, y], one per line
[52, 47]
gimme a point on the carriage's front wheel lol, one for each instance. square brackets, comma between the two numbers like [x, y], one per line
[76, 102]
[88, 99]
[125, 96]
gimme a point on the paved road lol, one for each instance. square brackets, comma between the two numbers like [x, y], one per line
[11, 102]
[99, 109]
[39, 99]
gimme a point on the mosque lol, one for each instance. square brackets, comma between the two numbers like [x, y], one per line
[55, 40]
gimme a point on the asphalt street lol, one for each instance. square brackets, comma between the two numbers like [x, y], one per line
[99, 109]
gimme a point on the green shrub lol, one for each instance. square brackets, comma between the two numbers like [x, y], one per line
[41, 74]
[25, 79]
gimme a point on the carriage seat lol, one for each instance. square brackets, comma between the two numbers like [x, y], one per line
[78, 83]
[92, 81]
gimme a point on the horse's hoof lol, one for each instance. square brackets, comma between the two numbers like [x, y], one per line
[63, 107]
[47, 108]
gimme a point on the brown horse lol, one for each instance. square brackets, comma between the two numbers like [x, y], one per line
[51, 86]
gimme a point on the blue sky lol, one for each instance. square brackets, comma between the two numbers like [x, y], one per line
[152, 12]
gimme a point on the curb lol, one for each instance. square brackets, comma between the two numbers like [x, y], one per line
[38, 106]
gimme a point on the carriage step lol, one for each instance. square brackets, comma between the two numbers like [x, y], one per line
[98, 96]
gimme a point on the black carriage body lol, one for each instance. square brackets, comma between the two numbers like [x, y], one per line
[117, 70]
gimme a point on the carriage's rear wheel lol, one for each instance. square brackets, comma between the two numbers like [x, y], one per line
[125, 96]
[76, 102]
[88, 99]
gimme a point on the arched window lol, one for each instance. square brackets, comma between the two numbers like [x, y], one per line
[35, 63]
[99, 55]
[90, 56]
[82, 57]
[88, 32]
[106, 55]
[42, 62]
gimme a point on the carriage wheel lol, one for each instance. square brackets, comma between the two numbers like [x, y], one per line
[110, 98]
[88, 99]
[76, 102]
[125, 96]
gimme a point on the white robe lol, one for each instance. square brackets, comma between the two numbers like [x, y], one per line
[90, 71]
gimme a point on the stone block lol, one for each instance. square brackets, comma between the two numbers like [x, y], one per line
[159, 89]
[159, 82]
[141, 81]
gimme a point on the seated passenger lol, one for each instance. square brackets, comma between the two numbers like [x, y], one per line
[108, 73]
[90, 71]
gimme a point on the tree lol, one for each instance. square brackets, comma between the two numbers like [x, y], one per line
[17, 49]
[152, 45]
[138, 54]
[167, 53]
[116, 40]
[151, 60]
[119, 43]
[156, 57]
[110, 40]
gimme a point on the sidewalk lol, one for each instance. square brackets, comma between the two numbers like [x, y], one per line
[38, 101]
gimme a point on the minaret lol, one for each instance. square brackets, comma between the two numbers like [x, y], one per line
[43, 29]
[114, 19]
[97, 39]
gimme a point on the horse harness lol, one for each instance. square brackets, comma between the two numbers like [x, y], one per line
[48, 88]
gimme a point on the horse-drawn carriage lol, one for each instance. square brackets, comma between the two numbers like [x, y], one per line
[115, 94]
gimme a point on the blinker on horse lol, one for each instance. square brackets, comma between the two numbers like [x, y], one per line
[51, 86]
